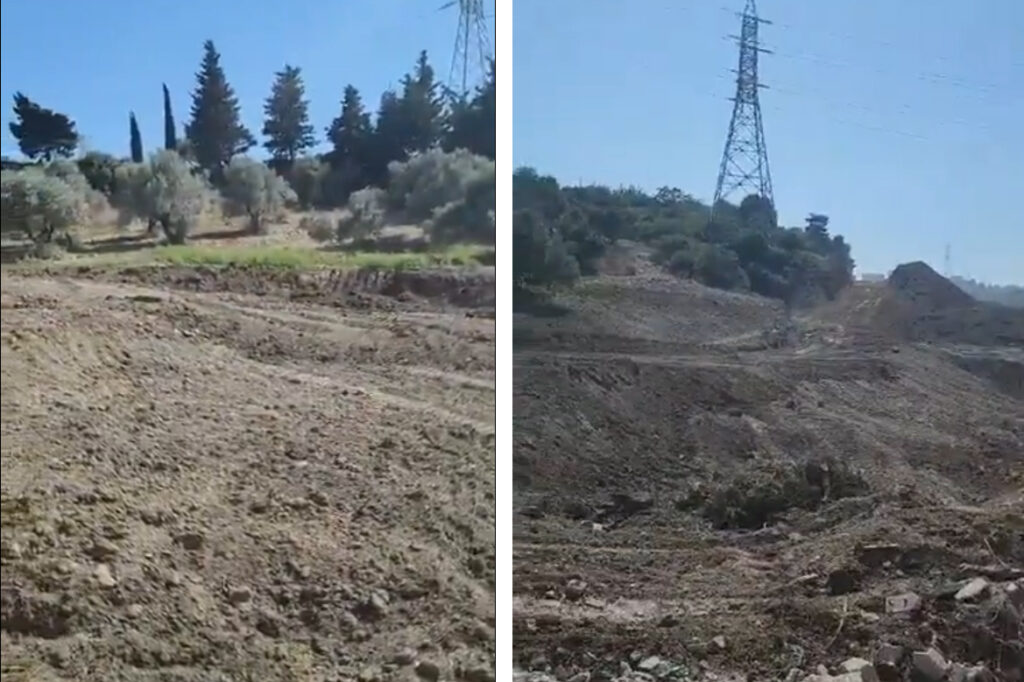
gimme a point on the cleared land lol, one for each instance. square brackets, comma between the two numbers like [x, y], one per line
[248, 462]
[705, 491]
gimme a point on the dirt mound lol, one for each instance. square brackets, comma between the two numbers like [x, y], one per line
[692, 500]
[927, 289]
[365, 288]
[199, 486]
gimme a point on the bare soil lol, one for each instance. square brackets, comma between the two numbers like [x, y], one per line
[707, 490]
[247, 475]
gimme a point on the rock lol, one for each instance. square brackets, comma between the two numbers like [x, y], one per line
[428, 671]
[268, 623]
[484, 674]
[874, 556]
[908, 602]
[852, 665]
[648, 664]
[319, 498]
[580, 677]
[404, 657]
[859, 670]
[930, 664]
[842, 581]
[718, 643]
[103, 549]
[668, 621]
[374, 608]
[476, 566]
[11, 550]
[239, 594]
[190, 540]
[134, 610]
[369, 674]
[972, 590]
[575, 589]
[888, 659]
[980, 673]
[103, 576]
[1015, 593]
[957, 673]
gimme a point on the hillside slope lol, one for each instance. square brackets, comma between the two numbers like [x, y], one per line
[689, 464]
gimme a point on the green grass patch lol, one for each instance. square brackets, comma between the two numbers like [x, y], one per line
[281, 256]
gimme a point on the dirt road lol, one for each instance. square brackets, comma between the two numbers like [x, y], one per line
[217, 474]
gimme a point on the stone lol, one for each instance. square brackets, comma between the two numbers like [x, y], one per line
[648, 664]
[191, 540]
[428, 670]
[103, 576]
[908, 602]
[319, 498]
[268, 623]
[580, 677]
[972, 590]
[239, 594]
[134, 610]
[718, 643]
[404, 657]
[575, 589]
[1015, 593]
[842, 581]
[852, 665]
[374, 608]
[476, 566]
[484, 674]
[103, 549]
[874, 556]
[859, 670]
[888, 659]
[930, 664]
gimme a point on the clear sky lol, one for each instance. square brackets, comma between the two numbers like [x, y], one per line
[903, 120]
[95, 61]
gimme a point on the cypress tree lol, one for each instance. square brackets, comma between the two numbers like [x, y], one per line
[170, 131]
[136, 136]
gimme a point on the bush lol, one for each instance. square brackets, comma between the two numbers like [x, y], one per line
[539, 255]
[306, 178]
[100, 170]
[164, 192]
[320, 227]
[469, 220]
[68, 171]
[719, 267]
[39, 205]
[255, 189]
[366, 215]
[431, 180]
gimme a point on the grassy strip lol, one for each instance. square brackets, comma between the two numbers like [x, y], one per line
[278, 256]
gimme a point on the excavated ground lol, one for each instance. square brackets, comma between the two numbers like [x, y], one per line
[247, 475]
[705, 491]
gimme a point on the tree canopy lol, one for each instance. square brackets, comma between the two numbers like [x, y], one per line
[216, 132]
[42, 133]
[286, 125]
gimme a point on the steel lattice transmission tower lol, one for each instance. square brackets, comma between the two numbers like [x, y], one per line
[472, 46]
[745, 159]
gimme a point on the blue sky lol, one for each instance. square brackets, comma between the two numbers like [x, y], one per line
[900, 120]
[96, 61]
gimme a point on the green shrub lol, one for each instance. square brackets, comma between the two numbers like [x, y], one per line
[539, 255]
[39, 205]
[163, 191]
[253, 188]
[431, 180]
[366, 215]
[470, 219]
[320, 227]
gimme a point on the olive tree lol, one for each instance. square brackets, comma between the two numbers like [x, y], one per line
[39, 205]
[163, 191]
[255, 189]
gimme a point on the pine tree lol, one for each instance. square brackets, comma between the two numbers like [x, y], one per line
[170, 130]
[42, 133]
[422, 107]
[287, 125]
[390, 138]
[472, 121]
[215, 131]
[136, 137]
[351, 132]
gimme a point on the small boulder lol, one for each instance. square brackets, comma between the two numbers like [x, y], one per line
[575, 589]
[908, 602]
[972, 590]
[428, 671]
[930, 664]
[104, 578]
